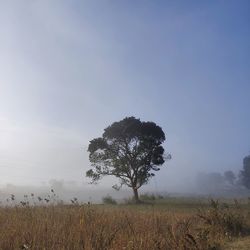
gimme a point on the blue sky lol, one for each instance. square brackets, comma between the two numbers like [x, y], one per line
[68, 69]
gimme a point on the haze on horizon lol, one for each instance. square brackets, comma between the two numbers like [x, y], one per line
[68, 69]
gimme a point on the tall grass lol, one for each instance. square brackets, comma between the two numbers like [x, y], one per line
[116, 227]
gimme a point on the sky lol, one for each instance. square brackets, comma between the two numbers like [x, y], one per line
[68, 69]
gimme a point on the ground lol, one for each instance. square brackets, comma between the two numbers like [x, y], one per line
[238, 244]
[172, 223]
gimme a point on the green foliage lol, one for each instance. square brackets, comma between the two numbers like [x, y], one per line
[245, 173]
[109, 200]
[151, 197]
[130, 150]
[148, 197]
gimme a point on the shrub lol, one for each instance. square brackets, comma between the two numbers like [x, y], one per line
[147, 197]
[151, 197]
[109, 200]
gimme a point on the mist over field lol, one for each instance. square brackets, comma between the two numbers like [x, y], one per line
[204, 185]
[70, 69]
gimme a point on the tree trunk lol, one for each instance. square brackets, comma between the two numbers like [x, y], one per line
[136, 196]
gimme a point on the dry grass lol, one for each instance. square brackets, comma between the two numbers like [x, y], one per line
[240, 244]
[120, 227]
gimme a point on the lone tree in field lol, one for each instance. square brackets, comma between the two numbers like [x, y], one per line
[130, 150]
[245, 173]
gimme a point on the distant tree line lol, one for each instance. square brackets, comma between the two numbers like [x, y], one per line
[227, 181]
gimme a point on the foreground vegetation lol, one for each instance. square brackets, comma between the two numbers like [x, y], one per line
[168, 224]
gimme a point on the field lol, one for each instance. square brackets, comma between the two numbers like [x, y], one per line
[173, 223]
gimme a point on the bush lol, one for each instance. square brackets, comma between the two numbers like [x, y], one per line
[147, 197]
[109, 200]
[151, 197]
[128, 201]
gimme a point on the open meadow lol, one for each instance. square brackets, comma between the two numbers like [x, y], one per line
[173, 223]
[125, 125]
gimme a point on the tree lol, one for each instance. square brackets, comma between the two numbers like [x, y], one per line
[245, 173]
[230, 177]
[130, 150]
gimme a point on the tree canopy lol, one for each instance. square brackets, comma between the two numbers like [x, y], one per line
[245, 173]
[130, 150]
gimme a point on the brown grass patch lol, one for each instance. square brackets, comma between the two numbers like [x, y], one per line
[117, 227]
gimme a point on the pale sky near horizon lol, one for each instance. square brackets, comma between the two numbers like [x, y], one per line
[68, 69]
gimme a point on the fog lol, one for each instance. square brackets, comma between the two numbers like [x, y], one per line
[204, 185]
[61, 191]
[70, 69]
